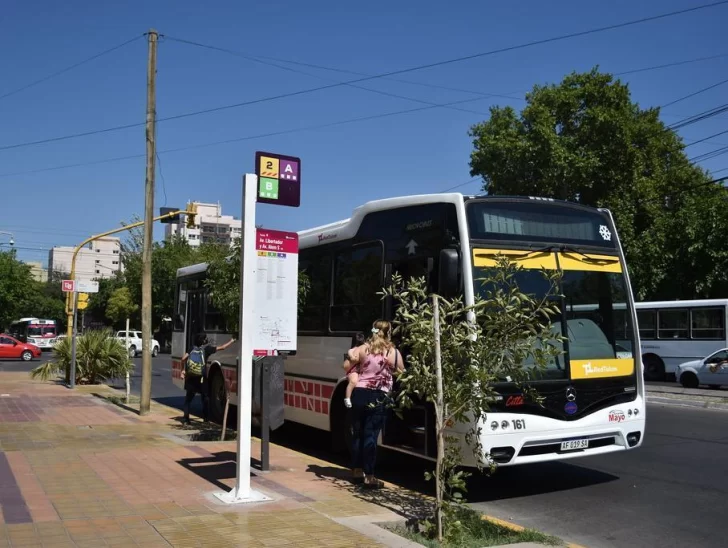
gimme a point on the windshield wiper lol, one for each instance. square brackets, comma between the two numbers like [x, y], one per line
[566, 250]
[523, 255]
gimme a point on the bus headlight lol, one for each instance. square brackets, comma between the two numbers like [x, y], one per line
[494, 425]
[636, 412]
[504, 425]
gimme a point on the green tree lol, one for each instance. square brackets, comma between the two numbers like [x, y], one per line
[586, 141]
[20, 293]
[453, 364]
[120, 306]
[99, 302]
[223, 281]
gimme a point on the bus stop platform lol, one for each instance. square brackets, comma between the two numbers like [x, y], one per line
[79, 468]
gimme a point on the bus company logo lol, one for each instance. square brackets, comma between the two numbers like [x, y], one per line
[615, 415]
[419, 226]
[324, 237]
[514, 401]
[571, 394]
[590, 369]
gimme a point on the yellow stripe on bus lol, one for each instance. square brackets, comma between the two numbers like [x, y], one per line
[602, 368]
[589, 261]
[536, 260]
[526, 259]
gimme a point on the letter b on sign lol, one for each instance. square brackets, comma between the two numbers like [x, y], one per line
[268, 188]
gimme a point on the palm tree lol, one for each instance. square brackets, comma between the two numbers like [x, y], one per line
[99, 357]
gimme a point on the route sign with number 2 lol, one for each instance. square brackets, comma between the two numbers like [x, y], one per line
[279, 179]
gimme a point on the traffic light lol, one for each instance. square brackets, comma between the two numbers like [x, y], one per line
[191, 212]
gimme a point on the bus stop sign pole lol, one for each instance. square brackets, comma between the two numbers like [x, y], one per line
[242, 491]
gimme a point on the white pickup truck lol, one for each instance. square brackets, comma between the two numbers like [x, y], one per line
[135, 343]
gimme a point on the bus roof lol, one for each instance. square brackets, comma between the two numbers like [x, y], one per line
[682, 304]
[347, 228]
[192, 269]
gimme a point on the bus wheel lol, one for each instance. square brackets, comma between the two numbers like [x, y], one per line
[689, 380]
[340, 425]
[217, 396]
[654, 369]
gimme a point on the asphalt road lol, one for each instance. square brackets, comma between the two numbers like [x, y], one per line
[670, 492]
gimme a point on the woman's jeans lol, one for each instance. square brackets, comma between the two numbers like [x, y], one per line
[367, 417]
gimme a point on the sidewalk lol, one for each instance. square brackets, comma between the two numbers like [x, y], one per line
[77, 470]
[688, 397]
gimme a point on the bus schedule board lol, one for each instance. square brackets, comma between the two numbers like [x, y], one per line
[275, 313]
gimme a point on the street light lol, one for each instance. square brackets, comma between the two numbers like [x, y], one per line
[12, 240]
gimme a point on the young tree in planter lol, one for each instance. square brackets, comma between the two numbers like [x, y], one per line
[456, 353]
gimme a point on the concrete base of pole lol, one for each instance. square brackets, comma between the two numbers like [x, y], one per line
[232, 497]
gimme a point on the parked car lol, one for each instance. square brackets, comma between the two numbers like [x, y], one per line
[135, 343]
[712, 371]
[12, 348]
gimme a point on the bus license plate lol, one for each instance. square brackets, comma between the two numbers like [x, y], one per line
[574, 444]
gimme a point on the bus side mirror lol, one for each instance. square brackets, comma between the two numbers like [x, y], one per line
[448, 278]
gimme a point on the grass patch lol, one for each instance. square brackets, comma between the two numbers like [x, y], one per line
[475, 532]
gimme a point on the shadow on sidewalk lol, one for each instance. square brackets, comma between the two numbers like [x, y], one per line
[411, 505]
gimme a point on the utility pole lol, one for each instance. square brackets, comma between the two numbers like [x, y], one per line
[146, 389]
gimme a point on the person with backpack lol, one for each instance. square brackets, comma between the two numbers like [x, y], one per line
[194, 373]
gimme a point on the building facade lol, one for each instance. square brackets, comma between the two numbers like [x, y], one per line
[39, 273]
[210, 226]
[101, 259]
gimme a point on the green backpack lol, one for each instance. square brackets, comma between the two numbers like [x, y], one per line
[196, 361]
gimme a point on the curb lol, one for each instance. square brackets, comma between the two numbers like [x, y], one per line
[518, 528]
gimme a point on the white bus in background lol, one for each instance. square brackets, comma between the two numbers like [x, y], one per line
[594, 400]
[674, 332]
[40, 332]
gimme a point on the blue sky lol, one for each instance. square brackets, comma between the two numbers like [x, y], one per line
[343, 166]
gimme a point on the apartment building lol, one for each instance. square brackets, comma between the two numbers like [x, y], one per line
[210, 226]
[101, 259]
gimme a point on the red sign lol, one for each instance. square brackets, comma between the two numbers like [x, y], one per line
[276, 241]
[68, 286]
[514, 401]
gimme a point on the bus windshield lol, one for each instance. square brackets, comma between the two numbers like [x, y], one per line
[593, 308]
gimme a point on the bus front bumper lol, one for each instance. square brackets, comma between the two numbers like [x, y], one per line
[509, 439]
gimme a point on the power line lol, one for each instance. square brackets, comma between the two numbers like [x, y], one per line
[68, 68]
[695, 93]
[673, 64]
[706, 138]
[709, 155]
[297, 71]
[266, 59]
[720, 109]
[382, 75]
[474, 179]
[246, 138]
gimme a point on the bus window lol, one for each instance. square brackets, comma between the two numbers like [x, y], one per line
[672, 324]
[357, 280]
[214, 322]
[708, 323]
[316, 264]
[181, 311]
[647, 323]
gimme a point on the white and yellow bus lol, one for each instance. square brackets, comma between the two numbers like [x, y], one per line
[594, 399]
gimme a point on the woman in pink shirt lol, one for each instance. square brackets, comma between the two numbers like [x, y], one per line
[377, 360]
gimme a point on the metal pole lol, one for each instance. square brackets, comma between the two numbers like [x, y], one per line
[145, 398]
[126, 341]
[265, 415]
[242, 491]
[73, 341]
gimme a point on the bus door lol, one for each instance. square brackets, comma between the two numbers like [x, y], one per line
[415, 431]
[195, 312]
